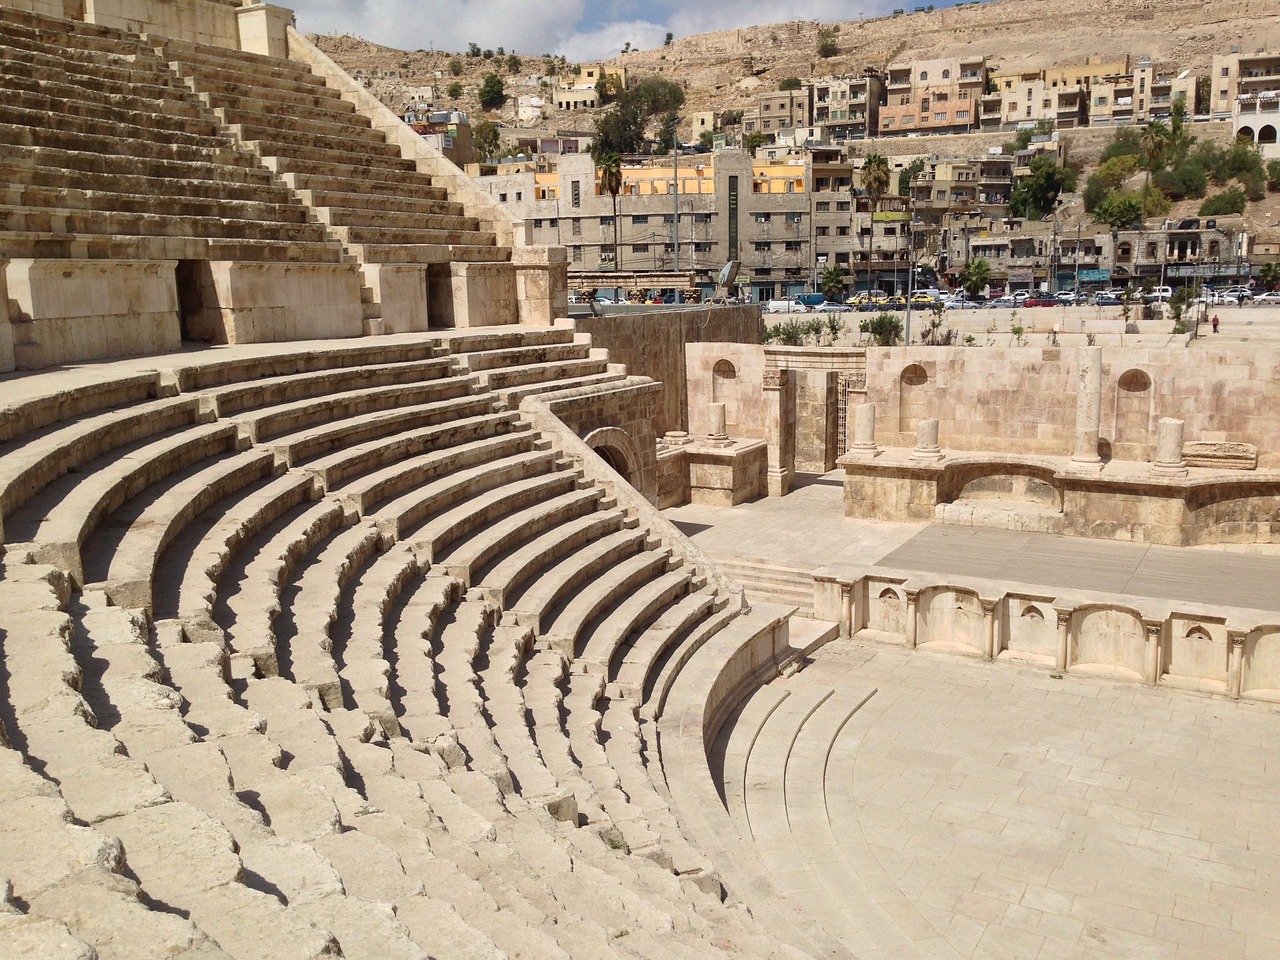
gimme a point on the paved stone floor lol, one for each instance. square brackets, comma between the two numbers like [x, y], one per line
[1028, 818]
[809, 527]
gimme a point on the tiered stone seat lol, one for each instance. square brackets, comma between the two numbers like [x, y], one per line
[356, 181]
[133, 167]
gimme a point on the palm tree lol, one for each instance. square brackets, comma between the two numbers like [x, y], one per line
[875, 182]
[1269, 275]
[975, 276]
[1155, 140]
[609, 167]
[832, 280]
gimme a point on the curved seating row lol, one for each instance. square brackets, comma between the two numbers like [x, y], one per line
[345, 625]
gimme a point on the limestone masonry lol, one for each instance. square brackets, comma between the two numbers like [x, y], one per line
[356, 601]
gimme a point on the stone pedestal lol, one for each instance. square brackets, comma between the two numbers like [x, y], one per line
[780, 430]
[864, 431]
[927, 442]
[1168, 461]
[264, 28]
[1088, 406]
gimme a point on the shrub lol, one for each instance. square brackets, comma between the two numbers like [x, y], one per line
[790, 83]
[1222, 204]
[827, 47]
[885, 329]
[454, 90]
[455, 67]
[492, 93]
[1273, 175]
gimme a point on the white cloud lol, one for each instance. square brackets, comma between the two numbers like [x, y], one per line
[527, 28]
[608, 40]
[579, 30]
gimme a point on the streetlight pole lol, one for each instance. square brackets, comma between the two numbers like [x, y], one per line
[911, 263]
[1077, 260]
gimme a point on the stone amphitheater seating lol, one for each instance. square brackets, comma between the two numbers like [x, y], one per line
[384, 697]
[325, 648]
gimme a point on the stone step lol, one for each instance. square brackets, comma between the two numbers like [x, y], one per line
[634, 657]
[61, 517]
[482, 251]
[21, 175]
[121, 76]
[642, 607]
[242, 62]
[61, 220]
[320, 104]
[79, 246]
[354, 468]
[102, 144]
[340, 143]
[485, 546]
[223, 167]
[348, 179]
[25, 94]
[70, 199]
[544, 593]
[382, 171]
[356, 209]
[301, 447]
[409, 472]
[330, 131]
[201, 134]
[433, 232]
[209, 72]
[130, 568]
[565, 628]
[36, 459]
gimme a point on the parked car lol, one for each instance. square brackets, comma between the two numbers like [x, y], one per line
[1107, 300]
[1271, 297]
[1233, 294]
[1158, 295]
[829, 306]
[1041, 300]
[1070, 297]
[787, 305]
[961, 303]
[1005, 301]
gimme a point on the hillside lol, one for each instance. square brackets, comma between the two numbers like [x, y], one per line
[725, 69]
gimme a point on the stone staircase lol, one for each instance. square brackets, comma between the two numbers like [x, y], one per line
[772, 581]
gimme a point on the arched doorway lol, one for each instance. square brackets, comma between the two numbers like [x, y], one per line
[1267, 134]
[1133, 416]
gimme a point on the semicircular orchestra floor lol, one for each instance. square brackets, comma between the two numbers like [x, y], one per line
[922, 805]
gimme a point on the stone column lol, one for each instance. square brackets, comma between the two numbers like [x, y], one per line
[1168, 461]
[1152, 671]
[780, 430]
[846, 611]
[912, 596]
[263, 29]
[927, 442]
[719, 435]
[989, 628]
[1088, 405]
[1235, 673]
[864, 431]
[1064, 640]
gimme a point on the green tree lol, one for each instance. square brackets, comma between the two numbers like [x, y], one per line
[1125, 142]
[730, 118]
[753, 141]
[514, 64]
[1037, 193]
[907, 174]
[455, 67]
[790, 83]
[875, 182]
[621, 129]
[832, 282]
[1269, 275]
[454, 90]
[975, 276]
[1273, 175]
[487, 54]
[473, 49]
[706, 138]
[1120, 209]
[667, 42]
[827, 46]
[484, 139]
[492, 93]
[1022, 139]
[1155, 145]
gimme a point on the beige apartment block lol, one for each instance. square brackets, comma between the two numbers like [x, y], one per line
[1146, 93]
[1246, 89]
[933, 96]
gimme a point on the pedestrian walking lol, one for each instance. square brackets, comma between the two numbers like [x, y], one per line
[1215, 323]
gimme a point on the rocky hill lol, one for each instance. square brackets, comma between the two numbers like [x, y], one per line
[725, 69]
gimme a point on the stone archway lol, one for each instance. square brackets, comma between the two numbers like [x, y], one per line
[615, 447]
[913, 384]
[1245, 133]
[1133, 416]
[1267, 134]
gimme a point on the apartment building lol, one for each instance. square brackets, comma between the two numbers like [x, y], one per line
[984, 184]
[1245, 88]
[933, 96]
[1140, 96]
[1025, 98]
[576, 90]
[779, 111]
[847, 108]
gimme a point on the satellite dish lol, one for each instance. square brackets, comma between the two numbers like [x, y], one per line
[728, 273]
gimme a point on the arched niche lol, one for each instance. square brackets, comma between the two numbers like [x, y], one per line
[913, 389]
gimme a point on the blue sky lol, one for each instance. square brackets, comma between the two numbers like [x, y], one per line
[579, 29]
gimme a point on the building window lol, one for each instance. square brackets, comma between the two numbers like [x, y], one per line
[822, 206]
[639, 248]
[519, 196]
[575, 193]
[502, 198]
[842, 206]
[962, 114]
[824, 231]
[842, 231]
[923, 76]
[606, 221]
[702, 248]
[577, 254]
[641, 219]
[1226, 71]
[537, 224]
[576, 227]
[946, 74]
[763, 246]
[792, 246]
[764, 217]
[794, 217]
[553, 222]
[939, 118]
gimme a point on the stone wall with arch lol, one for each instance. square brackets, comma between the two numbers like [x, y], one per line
[950, 618]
